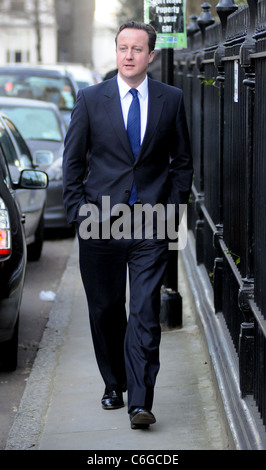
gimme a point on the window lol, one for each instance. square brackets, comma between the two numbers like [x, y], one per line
[18, 56]
[3, 169]
[17, 5]
[10, 154]
[25, 156]
[9, 150]
[57, 89]
[35, 123]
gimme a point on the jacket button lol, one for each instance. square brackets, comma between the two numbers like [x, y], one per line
[127, 191]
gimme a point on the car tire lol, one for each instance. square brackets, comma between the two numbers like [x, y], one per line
[9, 352]
[35, 249]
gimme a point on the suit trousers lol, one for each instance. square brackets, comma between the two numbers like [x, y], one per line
[126, 347]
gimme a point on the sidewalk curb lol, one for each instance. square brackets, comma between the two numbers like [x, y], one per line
[29, 421]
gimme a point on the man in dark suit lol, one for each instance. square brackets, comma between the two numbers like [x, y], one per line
[101, 161]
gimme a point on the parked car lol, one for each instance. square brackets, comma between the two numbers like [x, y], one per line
[43, 129]
[39, 83]
[82, 75]
[31, 201]
[13, 257]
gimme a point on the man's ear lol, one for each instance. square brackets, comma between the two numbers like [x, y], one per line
[151, 56]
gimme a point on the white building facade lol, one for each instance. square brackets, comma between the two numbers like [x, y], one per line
[28, 31]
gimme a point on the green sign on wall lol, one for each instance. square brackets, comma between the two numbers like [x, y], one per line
[168, 18]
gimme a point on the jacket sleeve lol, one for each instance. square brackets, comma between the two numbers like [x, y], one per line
[77, 143]
[181, 165]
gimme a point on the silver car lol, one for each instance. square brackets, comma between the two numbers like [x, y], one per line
[43, 128]
[31, 201]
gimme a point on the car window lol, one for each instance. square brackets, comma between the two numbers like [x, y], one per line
[10, 153]
[56, 90]
[3, 169]
[8, 147]
[35, 123]
[25, 155]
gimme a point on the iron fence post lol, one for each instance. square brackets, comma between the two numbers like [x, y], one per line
[246, 337]
[204, 20]
[246, 340]
[224, 8]
[171, 300]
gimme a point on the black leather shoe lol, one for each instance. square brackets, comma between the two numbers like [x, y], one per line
[112, 401]
[141, 418]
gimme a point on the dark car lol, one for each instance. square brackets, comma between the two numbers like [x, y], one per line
[39, 83]
[43, 129]
[13, 258]
[31, 201]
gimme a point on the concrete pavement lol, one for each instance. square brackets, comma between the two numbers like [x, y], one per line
[61, 410]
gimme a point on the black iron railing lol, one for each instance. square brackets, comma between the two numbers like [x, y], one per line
[223, 75]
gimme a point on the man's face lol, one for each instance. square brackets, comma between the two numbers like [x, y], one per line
[133, 56]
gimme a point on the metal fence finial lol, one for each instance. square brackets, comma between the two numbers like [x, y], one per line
[205, 19]
[192, 29]
[225, 8]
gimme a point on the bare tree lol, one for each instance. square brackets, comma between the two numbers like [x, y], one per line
[37, 30]
[130, 11]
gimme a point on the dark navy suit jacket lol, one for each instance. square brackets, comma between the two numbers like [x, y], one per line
[98, 160]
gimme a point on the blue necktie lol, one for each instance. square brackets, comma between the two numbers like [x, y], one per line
[133, 131]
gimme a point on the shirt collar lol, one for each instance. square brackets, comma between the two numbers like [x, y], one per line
[124, 87]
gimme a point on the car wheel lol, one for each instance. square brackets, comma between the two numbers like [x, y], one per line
[9, 351]
[34, 250]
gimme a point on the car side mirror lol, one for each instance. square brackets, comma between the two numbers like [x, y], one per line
[32, 179]
[43, 157]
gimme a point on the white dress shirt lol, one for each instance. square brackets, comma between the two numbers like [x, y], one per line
[126, 98]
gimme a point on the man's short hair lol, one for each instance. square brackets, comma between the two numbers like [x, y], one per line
[145, 27]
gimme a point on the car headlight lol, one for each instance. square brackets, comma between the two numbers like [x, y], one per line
[55, 171]
[5, 239]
